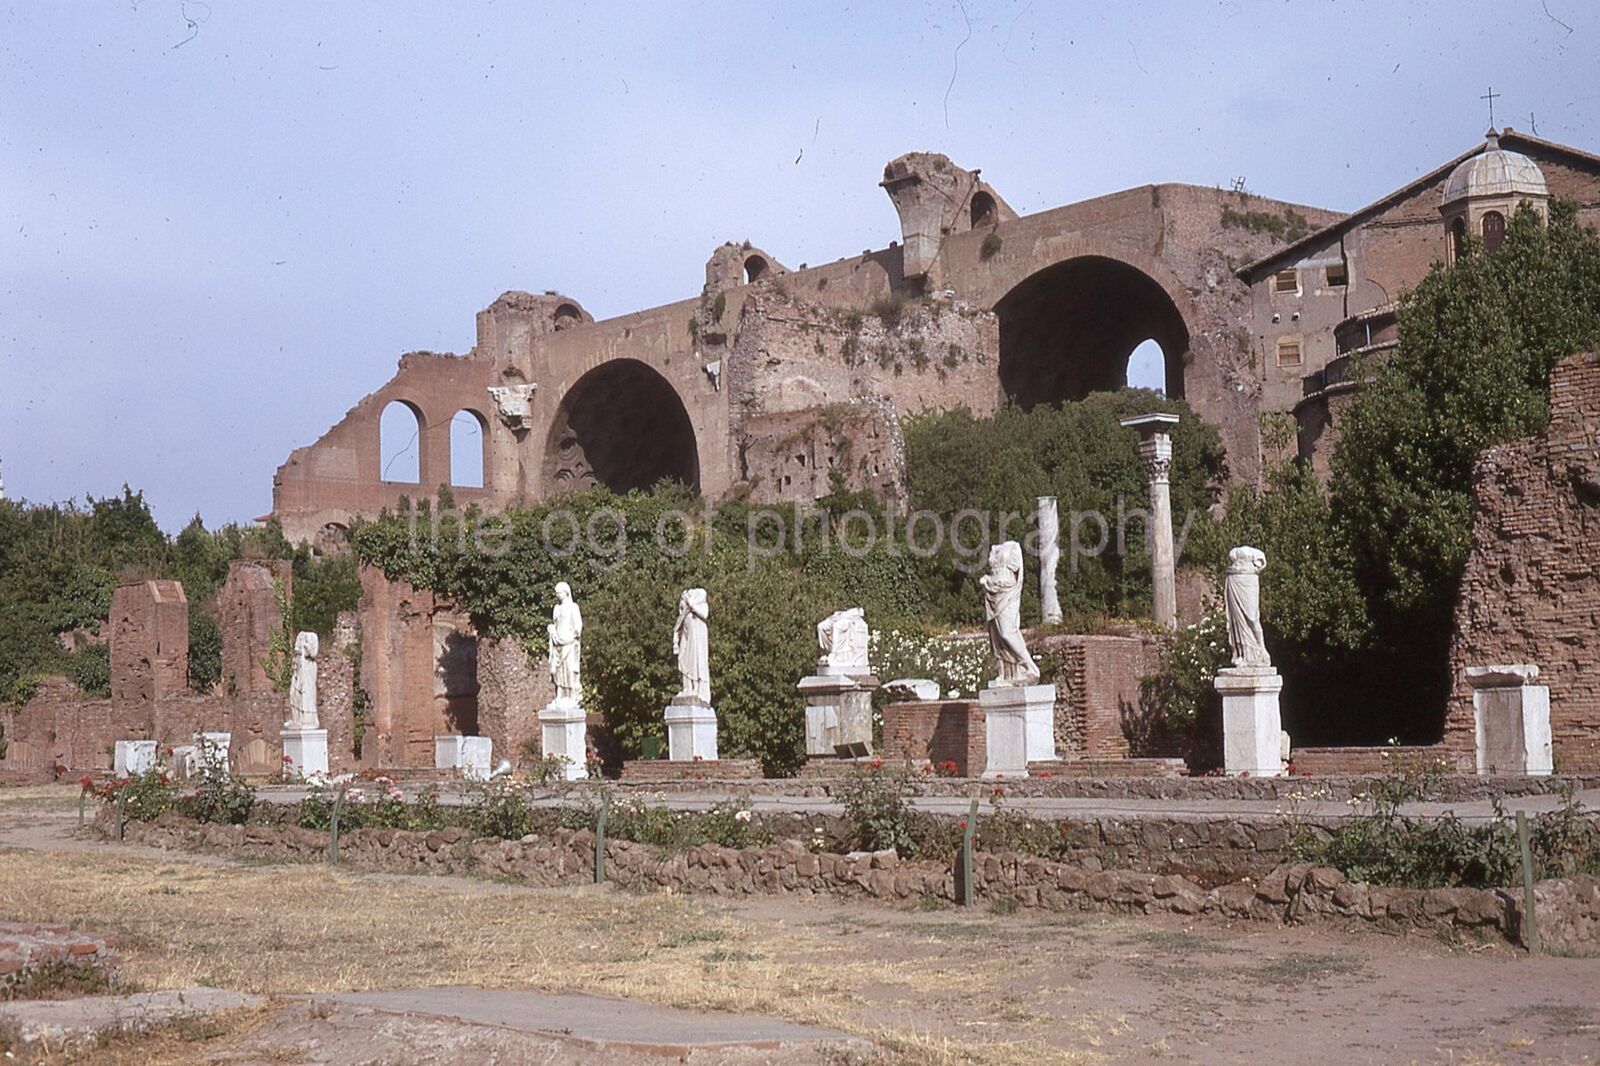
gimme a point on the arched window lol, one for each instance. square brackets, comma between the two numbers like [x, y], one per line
[400, 443]
[1494, 231]
[566, 317]
[983, 210]
[754, 267]
[1458, 239]
[1147, 367]
[467, 452]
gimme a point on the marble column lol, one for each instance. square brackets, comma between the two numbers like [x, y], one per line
[1049, 519]
[1155, 448]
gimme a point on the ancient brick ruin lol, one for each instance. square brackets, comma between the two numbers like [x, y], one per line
[1531, 592]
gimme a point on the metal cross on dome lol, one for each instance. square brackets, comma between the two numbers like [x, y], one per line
[1490, 96]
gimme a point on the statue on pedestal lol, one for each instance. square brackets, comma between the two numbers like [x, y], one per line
[303, 684]
[1002, 608]
[1241, 596]
[691, 643]
[842, 636]
[566, 636]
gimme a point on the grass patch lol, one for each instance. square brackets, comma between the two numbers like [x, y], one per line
[1300, 969]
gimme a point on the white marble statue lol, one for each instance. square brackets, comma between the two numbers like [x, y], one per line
[691, 644]
[1002, 608]
[1049, 558]
[1242, 597]
[566, 642]
[303, 684]
[842, 636]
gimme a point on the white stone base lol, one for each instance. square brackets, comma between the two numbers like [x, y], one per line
[447, 751]
[1511, 720]
[838, 714]
[133, 757]
[691, 732]
[305, 752]
[1252, 729]
[1019, 727]
[213, 746]
[183, 761]
[565, 733]
[477, 758]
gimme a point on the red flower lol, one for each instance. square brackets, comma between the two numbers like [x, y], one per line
[876, 764]
[999, 790]
[1044, 773]
[87, 782]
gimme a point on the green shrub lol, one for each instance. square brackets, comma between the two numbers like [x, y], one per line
[498, 808]
[218, 796]
[205, 650]
[992, 243]
[91, 670]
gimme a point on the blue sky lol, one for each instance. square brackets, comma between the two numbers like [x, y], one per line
[221, 224]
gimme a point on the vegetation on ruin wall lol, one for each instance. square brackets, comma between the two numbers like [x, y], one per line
[1359, 592]
[1080, 454]
[59, 564]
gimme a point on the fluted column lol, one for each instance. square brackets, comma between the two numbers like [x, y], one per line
[1155, 448]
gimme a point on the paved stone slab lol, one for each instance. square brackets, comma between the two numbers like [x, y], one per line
[601, 1019]
[65, 1024]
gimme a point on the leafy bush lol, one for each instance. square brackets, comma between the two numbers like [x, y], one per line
[205, 650]
[498, 808]
[145, 796]
[218, 796]
[959, 664]
[877, 809]
[1179, 699]
[91, 670]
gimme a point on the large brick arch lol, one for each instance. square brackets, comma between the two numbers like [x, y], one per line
[622, 425]
[1068, 329]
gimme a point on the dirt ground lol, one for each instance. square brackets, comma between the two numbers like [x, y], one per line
[939, 986]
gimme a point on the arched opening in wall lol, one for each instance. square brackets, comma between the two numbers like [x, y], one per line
[1494, 231]
[1458, 239]
[1072, 329]
[400, 443]
[566, 317]
[1147, 366]
[621, 425]
[983, 209]
[754, 268]
[469, 452]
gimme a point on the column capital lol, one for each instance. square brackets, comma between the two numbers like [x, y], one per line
[1155, 443]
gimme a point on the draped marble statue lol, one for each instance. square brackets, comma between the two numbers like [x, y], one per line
[1002, 609]
[842, 637]
[303, 684]
[1241, 596]
[566, 642]
[691, 644]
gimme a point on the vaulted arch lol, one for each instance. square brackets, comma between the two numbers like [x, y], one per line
[621, 425]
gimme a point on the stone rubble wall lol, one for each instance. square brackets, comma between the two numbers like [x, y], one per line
[1569, 909]
[1531, 590]
[27, 948]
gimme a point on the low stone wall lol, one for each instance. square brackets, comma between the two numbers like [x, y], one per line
[1325, 762]
[30, 949]
[1569, 910]
[654, 771]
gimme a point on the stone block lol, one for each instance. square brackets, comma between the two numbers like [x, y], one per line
[305, 752]
[133, 757]
[691, 732]
[1511, 720]
[565, 733]
[1251, 725]
[447, 751]
[838, 714]
[1019, 728]
[476, 758]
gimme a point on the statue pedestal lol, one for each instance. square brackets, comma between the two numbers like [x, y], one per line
[305, 752]
[691, 731]
[838, 714]
[1019, 728]
[1511, 720]
[1252, 730]
[133, 757]
[564, 729]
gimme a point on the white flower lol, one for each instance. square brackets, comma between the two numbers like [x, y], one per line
[741, 816]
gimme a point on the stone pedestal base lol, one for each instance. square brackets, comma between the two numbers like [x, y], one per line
[305, 752]
[838, 714]
[212, 749]
[1019, 728]
[477, 758]
[133, 757]
[565, 732]
[1511, 720]
[1252, 729]
[447, 751]
[691, 732]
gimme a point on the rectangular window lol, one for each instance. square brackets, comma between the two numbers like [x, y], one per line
[1338, 277]
[1286, 281]
[1289, 352]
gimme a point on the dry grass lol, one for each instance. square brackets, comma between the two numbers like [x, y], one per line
[281, 929]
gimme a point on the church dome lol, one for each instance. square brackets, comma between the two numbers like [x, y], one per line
[1495, 171]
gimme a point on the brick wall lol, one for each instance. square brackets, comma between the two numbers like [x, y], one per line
[512, 688]
[1324, 762]
[937, 731]
[149, 635]
[1098, 678]
[1531, 591]
[247, 615]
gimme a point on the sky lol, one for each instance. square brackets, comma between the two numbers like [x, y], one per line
[222, 223]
